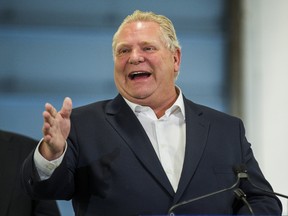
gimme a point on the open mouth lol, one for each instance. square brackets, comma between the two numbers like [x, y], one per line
[139, 74]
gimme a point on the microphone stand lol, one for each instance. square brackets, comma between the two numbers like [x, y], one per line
[170, 211]
[242, 169]
[242, 196]
[241, 174]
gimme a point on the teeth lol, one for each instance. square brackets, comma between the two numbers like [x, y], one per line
[137, 72]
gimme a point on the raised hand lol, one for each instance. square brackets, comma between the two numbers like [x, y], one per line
[56, 128]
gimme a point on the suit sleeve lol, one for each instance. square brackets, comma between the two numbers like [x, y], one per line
[260, 202]
[59, 186]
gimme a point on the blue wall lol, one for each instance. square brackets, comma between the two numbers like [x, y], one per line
[52, 49]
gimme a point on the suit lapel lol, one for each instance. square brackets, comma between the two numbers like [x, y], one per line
[196, 136]
[122, 119]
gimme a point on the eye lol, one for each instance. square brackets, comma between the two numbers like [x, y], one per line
[149, 48]
[122, 51]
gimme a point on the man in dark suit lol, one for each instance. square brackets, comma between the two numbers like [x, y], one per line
[14, 148]
[149, 148]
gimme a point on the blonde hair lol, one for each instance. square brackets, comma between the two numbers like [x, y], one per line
[166, 27]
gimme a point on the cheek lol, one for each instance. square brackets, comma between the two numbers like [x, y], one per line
[119, 73]
[119, 63]
[119, 77]
[119, 69]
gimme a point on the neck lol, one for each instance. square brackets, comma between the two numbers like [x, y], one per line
[161, 108]
[158, 105]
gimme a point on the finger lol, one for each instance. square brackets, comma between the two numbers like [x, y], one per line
[46, 132]
[48, 118]
[50, 109]
[46, 129]
[47, 138]
[66, 108]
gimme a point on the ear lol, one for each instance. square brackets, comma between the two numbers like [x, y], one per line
[177, 59]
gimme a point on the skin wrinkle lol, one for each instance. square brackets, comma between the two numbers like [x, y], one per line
[140, 48]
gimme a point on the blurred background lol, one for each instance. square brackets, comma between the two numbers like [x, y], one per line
[234, 59]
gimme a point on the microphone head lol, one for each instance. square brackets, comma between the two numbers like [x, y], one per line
[240, 168]
[241, 171]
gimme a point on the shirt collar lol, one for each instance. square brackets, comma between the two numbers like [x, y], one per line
[179, 103]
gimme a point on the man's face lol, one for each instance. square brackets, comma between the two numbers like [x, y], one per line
[144, 68]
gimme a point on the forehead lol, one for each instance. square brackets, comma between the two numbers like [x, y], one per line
[138, 29]
[140, 25]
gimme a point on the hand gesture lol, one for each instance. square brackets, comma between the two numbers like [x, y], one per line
[56, 128]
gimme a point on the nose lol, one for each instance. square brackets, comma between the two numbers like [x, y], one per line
[136, 57]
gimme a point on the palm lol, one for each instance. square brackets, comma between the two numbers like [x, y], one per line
[56, 126]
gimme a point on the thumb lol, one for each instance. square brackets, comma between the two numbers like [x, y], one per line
[66, 108]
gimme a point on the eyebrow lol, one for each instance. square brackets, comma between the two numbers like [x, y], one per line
[143, 43]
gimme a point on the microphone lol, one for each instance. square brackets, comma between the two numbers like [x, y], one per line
[242, 169]
[242, 196]
[240, 175]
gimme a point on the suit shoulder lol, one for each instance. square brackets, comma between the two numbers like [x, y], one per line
[91, 106]
[89, 111]
[17, 140]
[212, 114]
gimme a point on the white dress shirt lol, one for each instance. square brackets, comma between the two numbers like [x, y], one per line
[167, 135]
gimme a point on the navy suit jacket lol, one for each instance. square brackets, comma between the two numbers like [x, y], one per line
[111, 168]
[14, 148]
